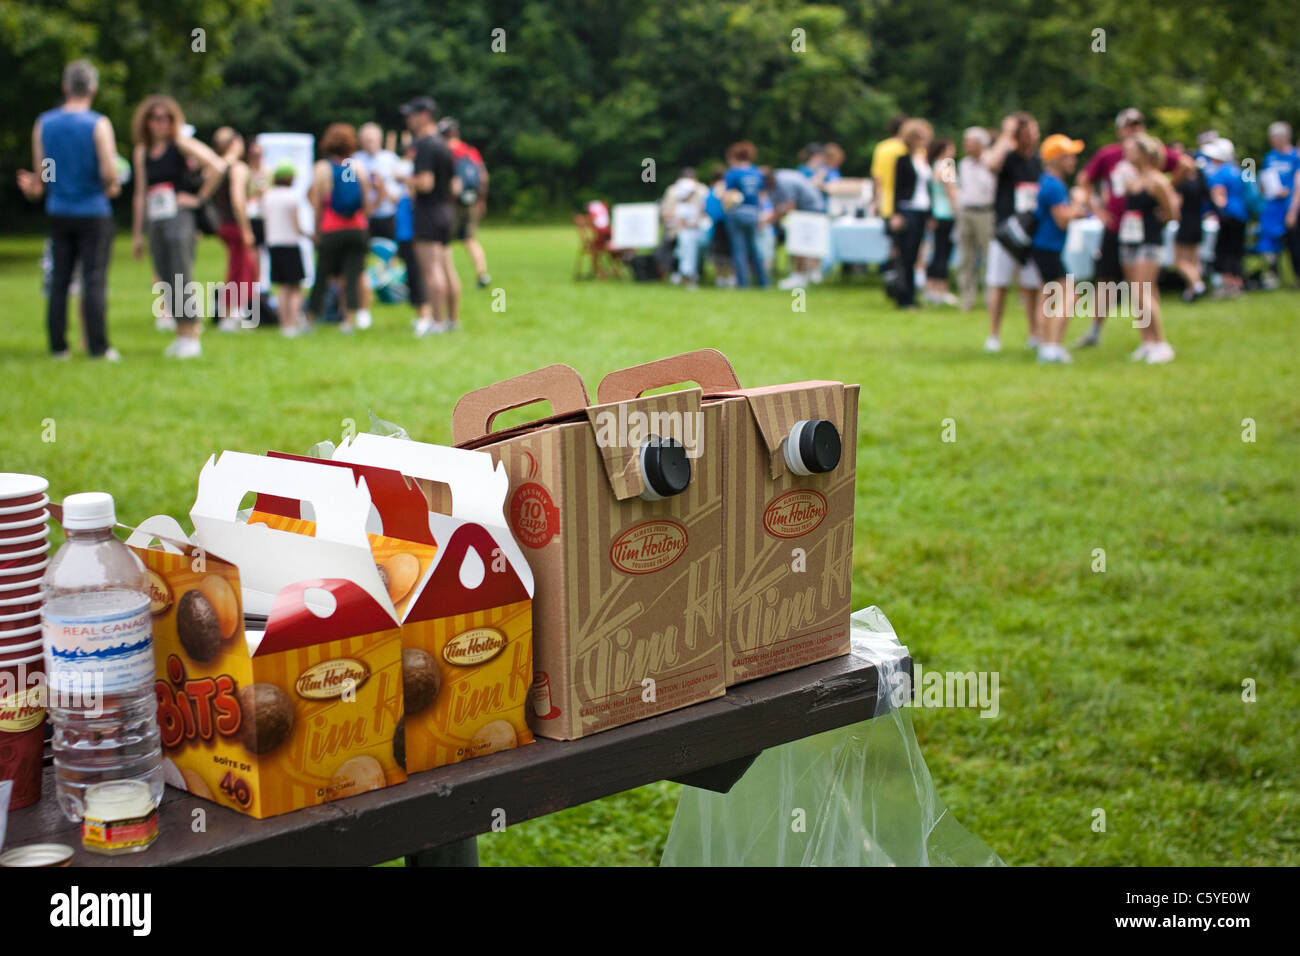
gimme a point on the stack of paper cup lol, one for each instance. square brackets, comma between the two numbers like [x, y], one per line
[24, 554]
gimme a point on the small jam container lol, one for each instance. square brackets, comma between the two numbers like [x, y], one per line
[37, 854]
[120, 817]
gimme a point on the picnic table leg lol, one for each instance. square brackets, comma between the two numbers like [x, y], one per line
[719, 778]
[461, 853]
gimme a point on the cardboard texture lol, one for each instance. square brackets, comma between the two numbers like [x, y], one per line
[305, 711]
[628, 604]
[473, 620]
[788, 538]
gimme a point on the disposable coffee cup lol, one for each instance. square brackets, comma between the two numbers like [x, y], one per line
[27, 602]
[19, 489]
[16, 588]
[23, 571]
[24, 645]
[20, 512]
[30, 528]
[22, 728]
[28, 550]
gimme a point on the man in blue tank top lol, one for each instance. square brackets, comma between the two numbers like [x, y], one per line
[74, 166]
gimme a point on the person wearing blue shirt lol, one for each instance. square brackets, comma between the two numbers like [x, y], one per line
[1052, 216]
[1278, 181]
[75, 168]
[743, 218]
[1228, 193]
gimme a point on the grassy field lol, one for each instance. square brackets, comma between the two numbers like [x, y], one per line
[1120, 691]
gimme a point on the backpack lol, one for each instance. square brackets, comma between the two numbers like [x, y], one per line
[345, 193]
[467, 172]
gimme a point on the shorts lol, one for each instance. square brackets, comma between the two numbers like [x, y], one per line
[720, 244]
[1190, 231]
[1132, 254]
[383, 227]
[286, 265]
[1002, 269]
[434, 222]
[466, 225]
[1108, 265]
[1048, 261]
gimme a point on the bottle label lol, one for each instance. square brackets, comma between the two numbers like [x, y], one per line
[109, 653]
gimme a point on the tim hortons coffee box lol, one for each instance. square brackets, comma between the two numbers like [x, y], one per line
[303, 708]
[618, 508]
[467, 637]
[789, 468]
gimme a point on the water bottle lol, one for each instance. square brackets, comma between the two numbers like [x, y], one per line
[99, 661]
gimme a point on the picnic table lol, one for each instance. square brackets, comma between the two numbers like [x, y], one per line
[433, 818]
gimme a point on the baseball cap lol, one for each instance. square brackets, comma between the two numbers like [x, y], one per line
[448, 124]
[285, 167]
[420, 104]
[1127, 117]
[1058, 145]
[1221, 150]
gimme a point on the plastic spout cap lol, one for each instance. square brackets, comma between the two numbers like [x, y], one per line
[813, 447]
[88, 510]
[665, 469]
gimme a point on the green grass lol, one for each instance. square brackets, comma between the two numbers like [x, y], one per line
[1119, 690]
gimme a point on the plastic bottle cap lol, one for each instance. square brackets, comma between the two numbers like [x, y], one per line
[665, 469]
[813, 447]
[88, 510]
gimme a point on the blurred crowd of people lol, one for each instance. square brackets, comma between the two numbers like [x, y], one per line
[1005, 207]
[418, 191]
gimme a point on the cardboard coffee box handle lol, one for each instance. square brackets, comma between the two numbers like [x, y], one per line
[559, 384]
[708, 368]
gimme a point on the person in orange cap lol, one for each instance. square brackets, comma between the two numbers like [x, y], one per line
[1056, 208]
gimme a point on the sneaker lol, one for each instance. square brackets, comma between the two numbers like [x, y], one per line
[1091, 340]
[290, 331]
[61, 356]
[110, 355]
[1140, 353]
[1160, 354]
[484, 281]
[164, 323]
[452, 326]
[364, 320]
[1055, 354]
[1033, 342]
[172, 346]
[187, 349]
[675, 278]
[229, 324]
[429, 327]
[993, 344]
[816, 278]
[346, 328]
[795, 280]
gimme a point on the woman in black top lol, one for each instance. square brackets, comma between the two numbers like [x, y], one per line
[164, 203]
[1149, 203]
[911, 205]
[1189, 182]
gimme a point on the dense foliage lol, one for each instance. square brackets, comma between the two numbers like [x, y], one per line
[573, 97]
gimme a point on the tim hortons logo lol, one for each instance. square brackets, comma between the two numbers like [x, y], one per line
[331, 678]
[648, 547]
[22, 711]
[794, 513]
[476, 646]
[160, 594]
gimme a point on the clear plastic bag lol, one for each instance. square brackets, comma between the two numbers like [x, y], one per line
[855, 796]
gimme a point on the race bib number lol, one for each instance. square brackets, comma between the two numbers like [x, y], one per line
[1131, 229]
[1026, 197]
[1270, 184]
[161, 202]
[1119, 177]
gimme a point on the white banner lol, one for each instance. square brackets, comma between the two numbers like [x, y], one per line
[634, 226]
[808, 234]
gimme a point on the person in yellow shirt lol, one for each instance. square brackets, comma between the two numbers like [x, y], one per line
[884, 159]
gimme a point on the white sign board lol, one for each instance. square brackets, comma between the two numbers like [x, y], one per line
[808, 234]
[299, 149]
[634, 226]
